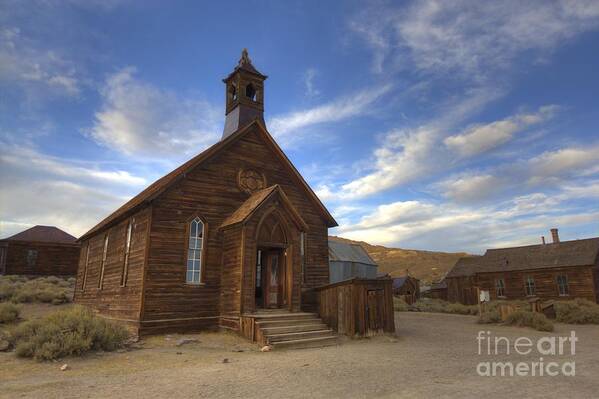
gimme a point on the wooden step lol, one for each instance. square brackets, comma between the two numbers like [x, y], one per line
[294, 328]
[298, 335]
[286, 322]
[318, 342]
[283, 316]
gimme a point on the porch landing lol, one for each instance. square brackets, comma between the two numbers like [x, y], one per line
[282, 329]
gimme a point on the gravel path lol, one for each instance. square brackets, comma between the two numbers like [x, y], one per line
[434, 355]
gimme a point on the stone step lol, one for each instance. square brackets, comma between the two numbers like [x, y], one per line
[306, 343]
[294, 328]
[298, 335]
[286, 323]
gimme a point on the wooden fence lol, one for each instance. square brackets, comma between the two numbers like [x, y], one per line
[358, 307]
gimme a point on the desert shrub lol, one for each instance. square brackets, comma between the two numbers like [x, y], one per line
[50, 289]
[67, 332]
[440, 306]
[578, 311]
[522, 318]
[9, 312]
[399, 305]
[490, 317]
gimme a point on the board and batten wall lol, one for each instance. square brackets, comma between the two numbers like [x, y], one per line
[580, 283]
[51, 259]
[113, 299]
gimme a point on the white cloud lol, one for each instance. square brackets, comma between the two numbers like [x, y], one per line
[552, 169]
[470, 37]
[138, 118]
[484, 137]
[452, 227]
[346, 107]
[310, 88]
[29, 64]
[407, 154]
[71, 194]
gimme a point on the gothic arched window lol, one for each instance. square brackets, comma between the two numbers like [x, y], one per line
[232, 92]
[194, 251]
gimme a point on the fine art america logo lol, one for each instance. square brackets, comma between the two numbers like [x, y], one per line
[547, 356]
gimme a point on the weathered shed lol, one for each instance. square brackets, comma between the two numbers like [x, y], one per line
[407, 287]
[40, 250]
[348, 260]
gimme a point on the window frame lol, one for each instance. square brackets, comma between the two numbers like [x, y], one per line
[527, 286]
[31, 258]
[128, 242]
[303, 254]
[86, 265]
[567, 285]
[104, 258]
[500, 287]
[202, 250]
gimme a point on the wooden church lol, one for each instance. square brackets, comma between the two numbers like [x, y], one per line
[231, 232]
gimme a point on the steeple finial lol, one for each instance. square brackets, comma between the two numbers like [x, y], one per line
[245, 58]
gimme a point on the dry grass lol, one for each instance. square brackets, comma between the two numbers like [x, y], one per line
[440, 306]
[19, 289]
[9, 312]
[577, 311]
[64, 333]
[399, 305]
[523, 318]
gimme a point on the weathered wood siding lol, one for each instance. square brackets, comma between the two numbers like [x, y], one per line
[52, 258]
[113, 300]
[580, 282]
[346, 308]
[596, 278]
[211, 191]
[461, 290]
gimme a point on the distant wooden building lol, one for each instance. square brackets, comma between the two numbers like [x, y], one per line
[349, 260]
[39, 251]
[559, 270]
[407, 287]
[234, 230]
[437, 291]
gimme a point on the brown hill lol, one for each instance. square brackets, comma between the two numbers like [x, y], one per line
[427, 266]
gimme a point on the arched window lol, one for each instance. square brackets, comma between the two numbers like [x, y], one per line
[250, 92]
[232, 92]
[194, 251]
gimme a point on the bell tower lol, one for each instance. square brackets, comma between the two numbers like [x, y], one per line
[244, 95]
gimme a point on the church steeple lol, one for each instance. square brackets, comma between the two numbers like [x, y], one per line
[244, 95]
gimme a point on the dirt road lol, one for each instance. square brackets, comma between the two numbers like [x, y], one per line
[435, 355]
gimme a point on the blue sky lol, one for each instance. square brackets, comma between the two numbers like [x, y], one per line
[453, 126]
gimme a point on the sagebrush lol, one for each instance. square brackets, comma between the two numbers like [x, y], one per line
[67, 332]
[524, 318]
[577, 311]
[9, 312]
[19, 289]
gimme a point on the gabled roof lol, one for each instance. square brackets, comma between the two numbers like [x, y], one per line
[542, 256]
[257, 199]
[464, 267]
[162, 184]
[347, 252]
[44, 234]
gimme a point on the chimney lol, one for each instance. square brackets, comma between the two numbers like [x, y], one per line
[555, 236]
[543, 239]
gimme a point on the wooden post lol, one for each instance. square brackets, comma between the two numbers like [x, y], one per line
[480, 306]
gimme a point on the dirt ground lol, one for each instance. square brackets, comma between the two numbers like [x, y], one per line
[434, 355]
